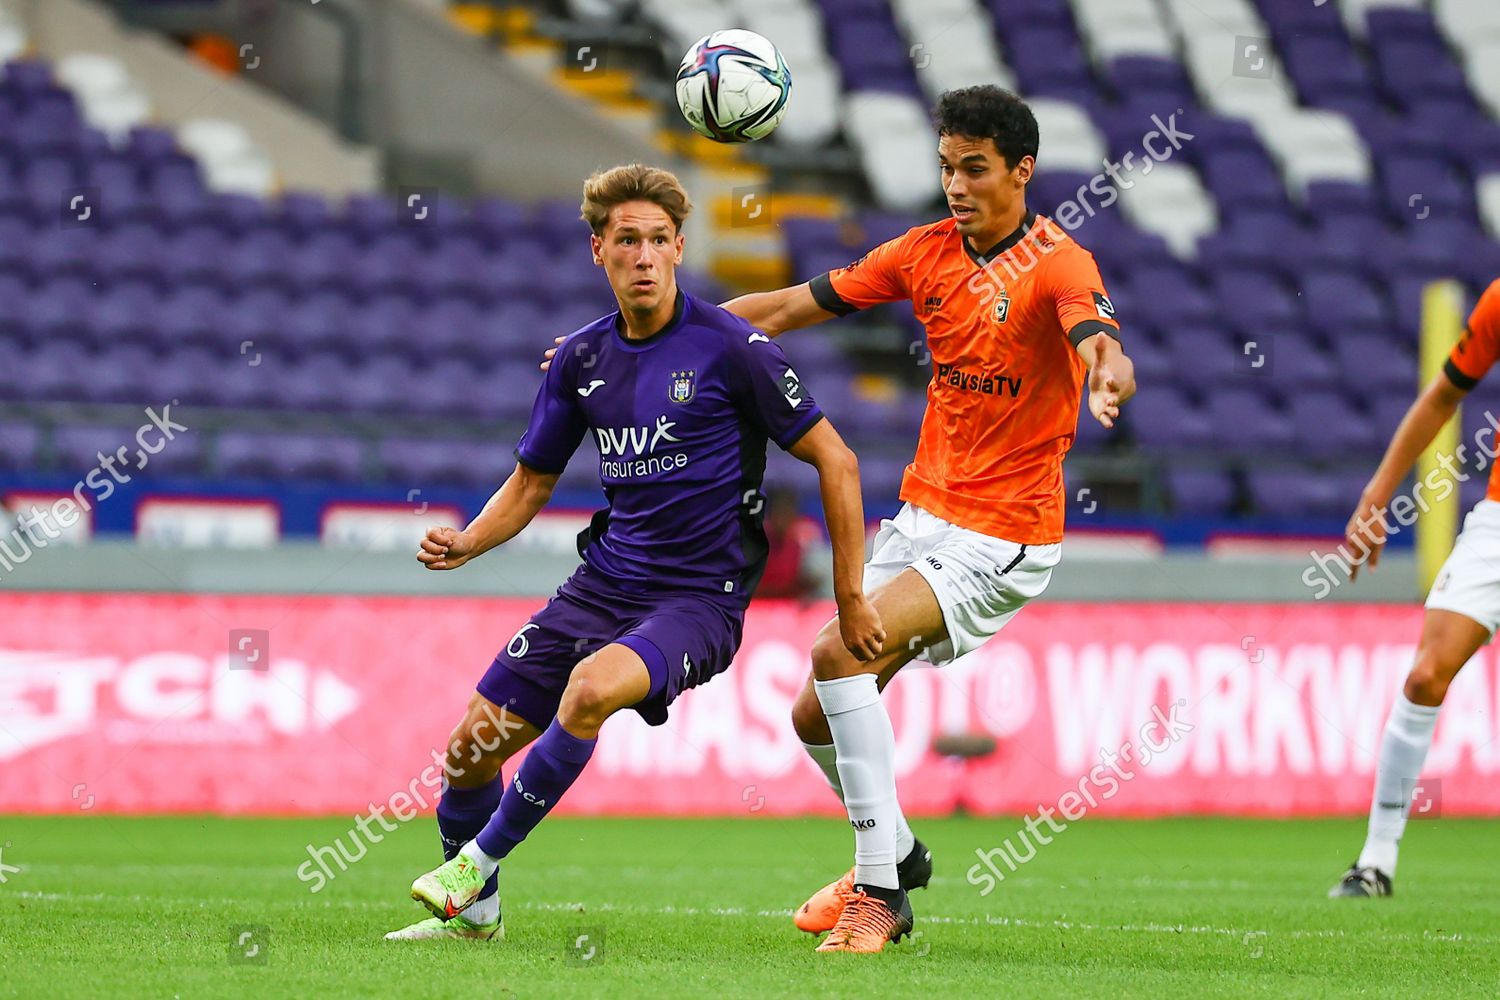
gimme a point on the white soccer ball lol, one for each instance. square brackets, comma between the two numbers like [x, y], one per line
[733, 86]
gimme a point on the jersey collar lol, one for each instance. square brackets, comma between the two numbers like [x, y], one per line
[672, 324]
[984, 259]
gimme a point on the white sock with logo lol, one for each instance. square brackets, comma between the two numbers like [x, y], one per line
[867, 773]
[1403, 748]
[825, 755]
[482, 911]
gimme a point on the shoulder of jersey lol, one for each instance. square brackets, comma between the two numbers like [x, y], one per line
[588, 334]
[735, 330]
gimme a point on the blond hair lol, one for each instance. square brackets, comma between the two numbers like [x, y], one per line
[633, 182]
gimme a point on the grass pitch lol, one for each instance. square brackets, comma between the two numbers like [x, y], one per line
[693, 908]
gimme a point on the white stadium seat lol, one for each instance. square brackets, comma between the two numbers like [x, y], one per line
[110, 100]
[797, 32]
[1195, 18]
[1356, 12]
[12, 41]
[1468, 22]
[1482, 63]
[812, 117]
[896, 144]
[1210, 59]
[230, 160]
[1169, 200]
[1315, 145]
[1136, 38]
[683, 24]
[1488, 190]
[1069, 140]
[951, 44]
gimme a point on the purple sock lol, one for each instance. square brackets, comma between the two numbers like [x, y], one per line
[461, 814]
[555, 761]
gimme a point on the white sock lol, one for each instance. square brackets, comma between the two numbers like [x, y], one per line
[482, 911]
[825, 755]
[1403, 748]
[867, 773]
[486, 864]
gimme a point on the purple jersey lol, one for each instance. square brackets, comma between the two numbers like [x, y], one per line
[682, 420]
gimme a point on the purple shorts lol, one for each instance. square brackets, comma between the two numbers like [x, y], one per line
[684, 640]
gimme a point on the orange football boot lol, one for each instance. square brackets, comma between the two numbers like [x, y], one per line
[822, 911]
[868, 922]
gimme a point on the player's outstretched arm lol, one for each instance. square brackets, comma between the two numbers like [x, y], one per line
[1365, 532]
[510, 509]
[774, 313]
[844, 512]
[1111, 376]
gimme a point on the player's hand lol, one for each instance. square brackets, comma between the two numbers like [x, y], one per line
[547, 358]
[1365, 531]
[446, 548]
[1109, 387]
[861, 629]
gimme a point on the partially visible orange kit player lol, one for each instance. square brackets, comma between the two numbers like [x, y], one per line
[1463, 608]
[1017, 321]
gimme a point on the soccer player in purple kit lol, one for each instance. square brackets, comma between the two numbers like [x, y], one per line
[682, 398]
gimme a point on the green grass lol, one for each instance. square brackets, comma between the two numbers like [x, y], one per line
[1178, 908]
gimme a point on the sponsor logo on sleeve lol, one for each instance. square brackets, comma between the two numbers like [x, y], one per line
[1105, 307]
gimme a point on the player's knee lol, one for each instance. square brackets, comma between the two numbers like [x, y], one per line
[808, 719]
[1427, 684]
[829, 657]
[586, 703]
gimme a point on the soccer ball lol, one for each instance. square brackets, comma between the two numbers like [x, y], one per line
[733, 86]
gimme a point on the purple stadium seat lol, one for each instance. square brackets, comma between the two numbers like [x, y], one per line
[1200, 491]
[1370, 363]
[278, 456]
[1244, 420]
[19, 446]
[1298, 493]
[1254, 299]
[418, 462]
[1326, 426]
[1164, 420]
[1240, 179]
[1417, 186]
[1338, 302]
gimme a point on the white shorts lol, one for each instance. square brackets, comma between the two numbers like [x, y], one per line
[1469, 582]
[980, 581]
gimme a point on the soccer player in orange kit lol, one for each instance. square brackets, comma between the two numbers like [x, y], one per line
[1463, 608]
[1017, 320]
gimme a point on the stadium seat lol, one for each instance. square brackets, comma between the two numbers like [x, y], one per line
[1356, 12]
[952, 44]
[895, 141]
[1068, 138]
[1169, 201]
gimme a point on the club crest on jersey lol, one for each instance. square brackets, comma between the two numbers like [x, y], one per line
[1002, 307]
[682, 387]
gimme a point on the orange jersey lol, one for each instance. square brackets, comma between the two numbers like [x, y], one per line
[1475, 352]
[1002, 406]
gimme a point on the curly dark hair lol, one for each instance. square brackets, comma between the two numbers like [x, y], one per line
[989, 112]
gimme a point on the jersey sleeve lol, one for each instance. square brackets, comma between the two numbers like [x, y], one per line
[557, 422]
[1083, 306]
[876, 277]
[1479, 347]
[767, 391]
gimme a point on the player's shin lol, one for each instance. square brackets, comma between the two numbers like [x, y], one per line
[866, 769]
[1403, 749]
[461, 814]
[556, 760]
[826, 757]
